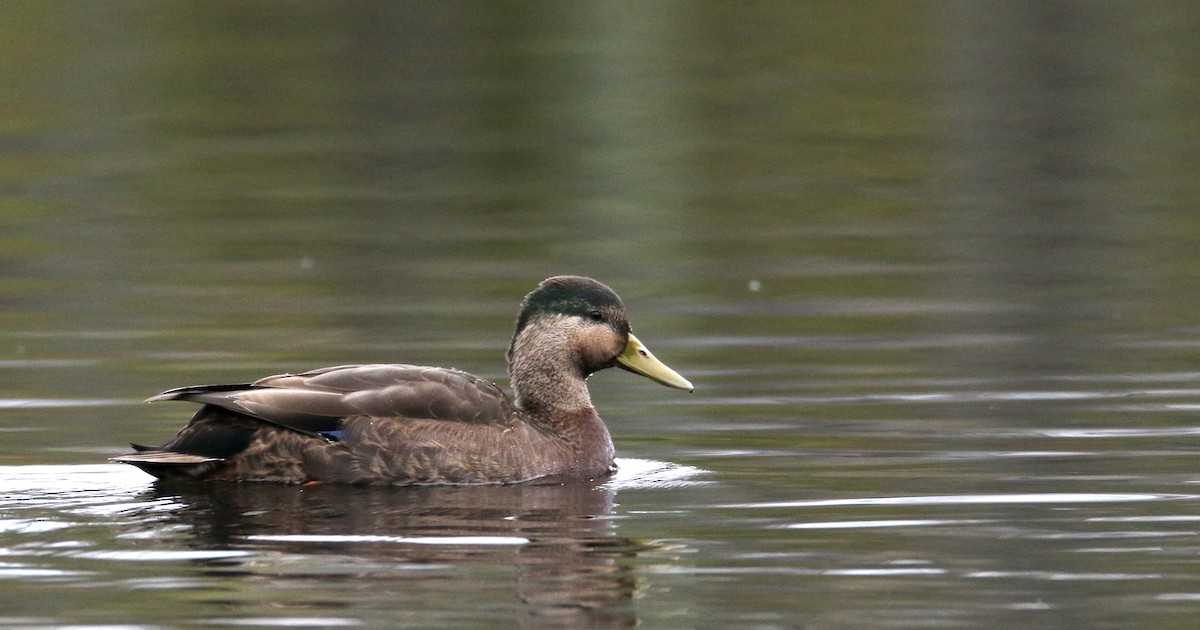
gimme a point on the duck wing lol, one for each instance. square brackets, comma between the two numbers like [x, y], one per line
[315, 402]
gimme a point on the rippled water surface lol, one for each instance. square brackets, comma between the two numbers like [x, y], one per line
[931, 266]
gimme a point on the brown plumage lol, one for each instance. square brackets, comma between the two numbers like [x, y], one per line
[408, 424]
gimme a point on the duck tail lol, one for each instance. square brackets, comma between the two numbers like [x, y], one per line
[169, 465]
[210, 440]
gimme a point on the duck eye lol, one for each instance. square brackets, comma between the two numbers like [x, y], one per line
[595, 316]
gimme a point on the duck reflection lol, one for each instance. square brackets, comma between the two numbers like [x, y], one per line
[560, 540]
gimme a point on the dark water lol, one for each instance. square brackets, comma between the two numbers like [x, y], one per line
[931, 266]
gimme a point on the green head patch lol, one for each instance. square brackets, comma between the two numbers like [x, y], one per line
[574, 296]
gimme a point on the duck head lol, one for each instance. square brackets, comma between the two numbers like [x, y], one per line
[577, 326]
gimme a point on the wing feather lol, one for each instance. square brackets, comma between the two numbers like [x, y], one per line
[317, 401]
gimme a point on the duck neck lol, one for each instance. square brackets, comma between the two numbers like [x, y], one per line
[551, 391]
[545, 377]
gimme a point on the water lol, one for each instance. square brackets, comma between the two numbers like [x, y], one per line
[931, 268]
[272, 555]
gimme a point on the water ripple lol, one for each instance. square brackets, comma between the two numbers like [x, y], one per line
[47, 403]
[411, 540]
[971, 499]
[161, 555]
[645, 473]
[930, 522]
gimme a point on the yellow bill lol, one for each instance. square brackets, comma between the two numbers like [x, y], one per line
[638, 359]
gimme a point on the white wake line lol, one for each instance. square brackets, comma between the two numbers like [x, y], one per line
[971, 499]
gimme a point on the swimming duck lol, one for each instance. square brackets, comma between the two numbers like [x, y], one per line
[409, 424]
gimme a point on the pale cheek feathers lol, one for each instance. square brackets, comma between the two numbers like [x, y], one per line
[599, 344]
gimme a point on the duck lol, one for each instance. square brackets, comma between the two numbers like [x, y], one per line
[400, 424]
